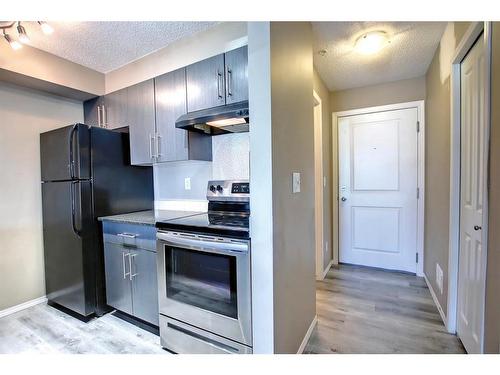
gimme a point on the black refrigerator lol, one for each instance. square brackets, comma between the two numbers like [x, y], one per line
[86, 173]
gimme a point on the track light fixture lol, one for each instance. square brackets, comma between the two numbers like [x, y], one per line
[21, 32]
[13, 43]
[23, 37]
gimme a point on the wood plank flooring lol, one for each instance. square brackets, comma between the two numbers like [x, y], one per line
[360, 310]
[365, 310]
[43, 329]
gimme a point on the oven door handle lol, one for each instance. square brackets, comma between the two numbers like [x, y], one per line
[199, 243]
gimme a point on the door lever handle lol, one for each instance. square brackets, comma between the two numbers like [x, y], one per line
[477, 227]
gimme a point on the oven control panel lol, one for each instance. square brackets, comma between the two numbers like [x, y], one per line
[240, 188]
[228, 190]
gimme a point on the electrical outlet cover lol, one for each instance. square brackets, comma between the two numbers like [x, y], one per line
[296, 182]
[187, 183]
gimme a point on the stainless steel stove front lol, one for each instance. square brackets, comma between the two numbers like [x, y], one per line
[204, 288]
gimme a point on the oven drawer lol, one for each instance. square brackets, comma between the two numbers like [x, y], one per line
[130, 235]
[182, 338]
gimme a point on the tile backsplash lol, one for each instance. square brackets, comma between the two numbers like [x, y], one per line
[231, 160]
[231, 153]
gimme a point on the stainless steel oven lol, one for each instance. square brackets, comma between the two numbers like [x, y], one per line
[204, 293]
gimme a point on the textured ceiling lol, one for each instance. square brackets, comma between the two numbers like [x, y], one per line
[106, 46]
[408, 55]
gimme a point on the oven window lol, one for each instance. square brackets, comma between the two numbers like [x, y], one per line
[202, 279]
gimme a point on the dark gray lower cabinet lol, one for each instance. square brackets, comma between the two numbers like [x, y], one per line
[118, 285]
[130, 267]
[145, 297]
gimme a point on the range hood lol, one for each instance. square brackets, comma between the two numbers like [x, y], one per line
[231, 118]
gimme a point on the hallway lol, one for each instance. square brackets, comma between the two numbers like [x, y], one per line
[365, 310]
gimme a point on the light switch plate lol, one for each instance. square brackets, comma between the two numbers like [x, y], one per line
[296, 182]
[187, 183]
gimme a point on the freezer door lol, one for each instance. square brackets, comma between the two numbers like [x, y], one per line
[65, 153]
[67, 237]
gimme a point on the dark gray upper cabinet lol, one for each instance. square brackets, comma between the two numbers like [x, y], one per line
[236, 62]
[92, 111]
[115, 109]
[108, 111]
[205, 84]
[170, 92]
[174, 144]
[141, 122]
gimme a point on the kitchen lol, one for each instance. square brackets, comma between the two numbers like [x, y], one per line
[150, 191]
[159, 193]
[202, 256]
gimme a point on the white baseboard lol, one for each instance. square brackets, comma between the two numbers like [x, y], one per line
[436, 302]
[325, 271]
[22, 306]
[308, 335]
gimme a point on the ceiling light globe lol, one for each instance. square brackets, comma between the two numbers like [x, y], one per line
[46, 28]
[372, 42]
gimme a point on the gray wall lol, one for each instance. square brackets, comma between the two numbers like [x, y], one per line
[330, 207]
[437, 159]
[407, 90]
[492, 311]
[293, 214]
[24, 115]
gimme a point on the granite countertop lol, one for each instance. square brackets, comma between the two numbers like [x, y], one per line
[148, 217]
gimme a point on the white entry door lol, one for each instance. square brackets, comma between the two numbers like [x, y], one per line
[378, 189]
[472, 257]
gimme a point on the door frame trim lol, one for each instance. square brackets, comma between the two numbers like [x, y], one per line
[319, 199]
[467, 42]
[420, 106]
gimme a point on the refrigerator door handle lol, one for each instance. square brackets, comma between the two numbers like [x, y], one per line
[71, 156]
[76, 230]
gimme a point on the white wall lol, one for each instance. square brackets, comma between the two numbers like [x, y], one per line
[261, 182]
[282, 223]
[24, 115]
[230, 162]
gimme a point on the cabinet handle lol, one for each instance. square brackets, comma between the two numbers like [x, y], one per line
[130, 261]
[219, 84]
[158, 145]
[99, 115]
[151, 145]
[125, 273]
[104, 117]
[127, 235]
[229, 75]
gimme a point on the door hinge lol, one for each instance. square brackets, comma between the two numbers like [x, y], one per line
[418, 193]
[418, 126]
[416, 257]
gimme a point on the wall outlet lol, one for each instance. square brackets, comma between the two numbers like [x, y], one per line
[295, 182]
[439, 278]
[326, 247]
[187, 183]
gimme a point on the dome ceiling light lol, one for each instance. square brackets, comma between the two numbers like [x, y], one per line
[372, 42]
[22, 35]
